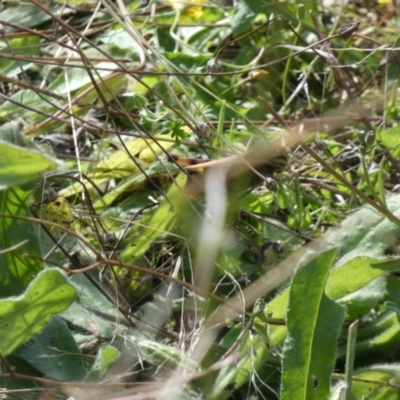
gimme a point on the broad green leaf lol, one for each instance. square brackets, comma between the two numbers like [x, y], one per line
[10, 110]
[121, 39]
[134, 190]
[105, 356]
[377, 382]
[357, 285]
[82, 313]
[366, 233]
[254, 348]
[12, 133]
[24, 316]
[16, 270]
[313, 322]
[391, 139]
[54, 353]
[77, 78]
[26, 46]
[259, 203]
[352, 276]
[161, 221]
[245, 13]
[108, 87]
[277, 308]
[130, 186]
[19, 165]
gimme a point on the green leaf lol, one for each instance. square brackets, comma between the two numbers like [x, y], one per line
[377, 382]
[378, 339]
[19, 165]
[393, 288]
[104, 358]
[253, 348]
[17, 239]
[54, 353]
[26, 46]
[160, 354]
[24, 316]
[357, 285]
[29, 15]
[391, 265]
[122, 40]
[187, 63]
[374, 234]
[121, 164]
[14, 108]
[253, 353]
[391, 139]
[243, 19]
[82, 313]
[313, 322]
[161, 221]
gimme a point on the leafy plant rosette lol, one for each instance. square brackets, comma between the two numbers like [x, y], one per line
[128, 268]
[351, 279]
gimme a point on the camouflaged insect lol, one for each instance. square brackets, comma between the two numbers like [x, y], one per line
[345, 31]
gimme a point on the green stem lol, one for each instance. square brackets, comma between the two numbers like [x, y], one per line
[350, 352]
[369, 183]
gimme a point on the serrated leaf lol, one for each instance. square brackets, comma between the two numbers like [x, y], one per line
[19, 165]
[313, 322]
[24, 316]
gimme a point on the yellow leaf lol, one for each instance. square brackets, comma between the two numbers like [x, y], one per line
[120, 164]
